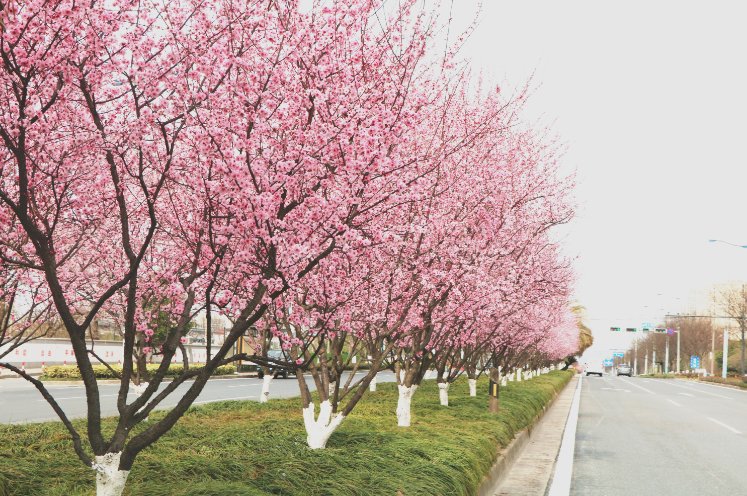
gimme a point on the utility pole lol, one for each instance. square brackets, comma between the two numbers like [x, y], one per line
[635, 356]
[678, 349]
[645, 363]
[713, 349]
[724, 362]
[666, 356]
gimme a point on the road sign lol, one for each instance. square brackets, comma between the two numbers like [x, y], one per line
[618, 354]
[694, 362]
[670, 332]
[631, 329]
[608, 362]
[615, 329]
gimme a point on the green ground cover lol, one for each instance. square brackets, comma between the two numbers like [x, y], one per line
[251, 449]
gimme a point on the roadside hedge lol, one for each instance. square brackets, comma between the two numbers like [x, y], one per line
[71, 372]
[246, 448]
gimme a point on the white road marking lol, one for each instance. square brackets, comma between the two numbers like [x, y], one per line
[673, 402]
[616, 389]
[631, 383]
[561, 478]
[724, 425]
[224, 399]
[699, 390]
[77, 397]
[687, 394]
[244, 385]
[712, 384]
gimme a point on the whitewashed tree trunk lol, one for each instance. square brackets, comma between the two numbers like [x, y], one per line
[372, 385]
[518, 375]
[443, 393]
[472, 387]
[331, 389]
[110, 481]
[404, 403]
[265, 394]
[320, 429]
[504, 381]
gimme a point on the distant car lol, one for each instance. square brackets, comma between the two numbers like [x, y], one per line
[594, 369]
[624, 370]
[275, 370]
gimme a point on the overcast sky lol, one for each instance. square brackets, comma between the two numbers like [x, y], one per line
[649, 98]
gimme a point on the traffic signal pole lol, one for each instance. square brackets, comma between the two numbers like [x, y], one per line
[678, 350]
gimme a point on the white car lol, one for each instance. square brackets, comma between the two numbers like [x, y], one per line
[594, 369]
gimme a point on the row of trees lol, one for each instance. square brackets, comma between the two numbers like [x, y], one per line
[323, 175]
[701, 335]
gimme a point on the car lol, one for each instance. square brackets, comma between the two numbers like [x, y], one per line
[624, 369]
[593, 369]
[275, 370]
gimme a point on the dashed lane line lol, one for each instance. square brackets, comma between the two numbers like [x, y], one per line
[728, 427]
[697, 390]
[631, 383]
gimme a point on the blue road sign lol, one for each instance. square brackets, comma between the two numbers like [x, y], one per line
[608, 362]
[694, 362]
[618, 354]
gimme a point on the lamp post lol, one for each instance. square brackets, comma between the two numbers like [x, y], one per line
[726, 243]
[741, 320]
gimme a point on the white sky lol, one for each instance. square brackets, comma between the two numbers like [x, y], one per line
[650, 98]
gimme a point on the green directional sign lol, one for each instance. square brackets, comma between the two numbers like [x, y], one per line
[615, 329]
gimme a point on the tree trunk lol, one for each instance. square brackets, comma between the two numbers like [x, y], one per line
[472, 387]
[265, 395]
[110, 481]
[404, 403]
[493, 399]
[320, 429]
[443, 393]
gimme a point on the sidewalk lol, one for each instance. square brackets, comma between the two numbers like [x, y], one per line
[530, 473]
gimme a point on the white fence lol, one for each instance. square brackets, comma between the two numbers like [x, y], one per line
[51, 351]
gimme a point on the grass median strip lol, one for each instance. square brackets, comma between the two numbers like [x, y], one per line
[248, 448]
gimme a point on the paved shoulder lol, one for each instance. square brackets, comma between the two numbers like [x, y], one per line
[530, 473]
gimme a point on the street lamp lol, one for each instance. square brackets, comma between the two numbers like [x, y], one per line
[726, 243]
[726, 332]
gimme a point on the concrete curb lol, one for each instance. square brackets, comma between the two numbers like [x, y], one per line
[513, 451]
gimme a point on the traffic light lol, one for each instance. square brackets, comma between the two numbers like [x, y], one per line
[631, 329]
[661, 330]
[615, 329]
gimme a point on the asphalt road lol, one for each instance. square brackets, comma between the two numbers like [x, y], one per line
[20, 402]
[639, 436]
